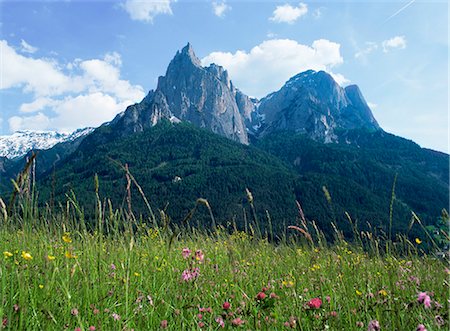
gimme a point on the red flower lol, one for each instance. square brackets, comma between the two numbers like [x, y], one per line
[261, 296]
[315, 303]
[226, 305]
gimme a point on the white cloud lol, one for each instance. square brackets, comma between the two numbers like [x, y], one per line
[146, 10]
[220, 8]
[318, 13]
[39, 122]
[67, 97]
[395, 42]
[27, 48]
[267, 66]
[288, 14]
[370, 47]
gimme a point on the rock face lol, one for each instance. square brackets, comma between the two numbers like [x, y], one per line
[313, 103]
[190, 92]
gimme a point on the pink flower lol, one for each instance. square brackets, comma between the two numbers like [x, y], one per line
[328, 298]
[421, 327]
[163, 324]
[427, 302]
[421, 297]
[315, 303]
[113, 266]
[77, 329]
[220, 321]
[226, 305]
[333, 313]
[237, 321]
[201, 324]
[186, 275]
[91, 328]
[115, 316]
[199, 256]
[359, 324]
[261, 296]
[186, 252]
[199, 316]
[374, 325]
[74, 312]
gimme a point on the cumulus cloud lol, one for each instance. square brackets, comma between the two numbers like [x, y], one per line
[66, 97]
[395, 42]
[220, 8]
[146, 10]
[267, 66]
[27, 48]
[289, 14]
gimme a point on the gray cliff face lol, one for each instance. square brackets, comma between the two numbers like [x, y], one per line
[313, 103]
[203, 96]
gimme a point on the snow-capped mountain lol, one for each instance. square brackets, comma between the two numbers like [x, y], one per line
[21, 142]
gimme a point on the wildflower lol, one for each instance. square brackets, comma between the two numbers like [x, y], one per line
[199, 256]
[66, 237]
[439, 320]
[199, 316]
[137, 274]
[41, 286]
[92, 328]
[69, 255]
[113, 266]
[50, 257]
[421, 327]
[186, 253]
[418, 241]
[226, 305]
[315, 303]
[328, 298]
[333, 313]
[358, 292]
[4, 322]
[74, 312]
[237, 321]
[163, 324]
[96, 311]
[77, 329]
[427, 302]
[374, 325]
[421, 297]
[7, 254]
[382, 292]
[26, 256]
[201, 324]
[359, 324]
[261, 296]
[115, 316]
[220, 321]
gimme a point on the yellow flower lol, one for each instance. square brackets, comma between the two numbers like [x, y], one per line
[50, 257]
[7, 254]
[69, 255]
[26, 256]
[66, 237]
[41, 286]
[382, 292]
[358, 292]
[137, 274]
[418, 241]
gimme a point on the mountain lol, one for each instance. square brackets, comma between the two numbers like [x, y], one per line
[314, 104]
[175, 164]
[197, 136]
[21, 142]
[203, 96]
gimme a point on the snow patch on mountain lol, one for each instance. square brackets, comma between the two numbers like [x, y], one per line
[21, 142]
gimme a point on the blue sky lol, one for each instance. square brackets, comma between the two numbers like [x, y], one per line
[71, 64]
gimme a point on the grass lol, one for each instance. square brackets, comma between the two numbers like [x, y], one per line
[58, 272]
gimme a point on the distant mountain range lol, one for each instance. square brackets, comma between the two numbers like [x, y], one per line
[310, 136]
[21, 142]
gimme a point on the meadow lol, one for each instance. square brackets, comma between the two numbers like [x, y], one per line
[119, 272]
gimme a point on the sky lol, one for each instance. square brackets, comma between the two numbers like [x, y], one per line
[71, 64]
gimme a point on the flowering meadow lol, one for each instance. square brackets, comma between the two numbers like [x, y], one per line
[66, 277]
